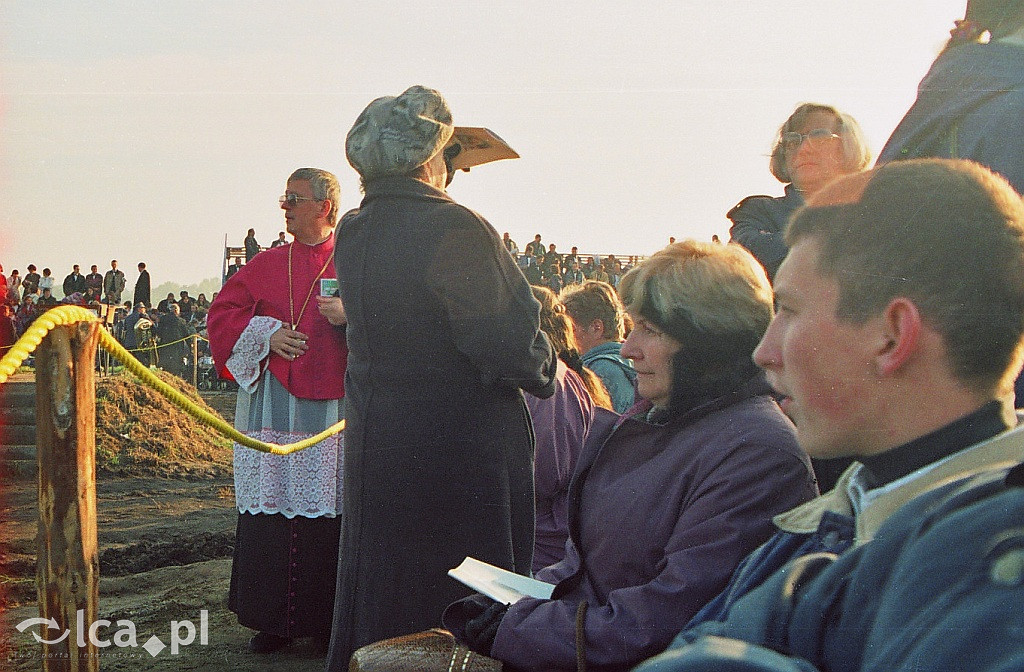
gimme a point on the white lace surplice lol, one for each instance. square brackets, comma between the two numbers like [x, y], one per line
[306, 483]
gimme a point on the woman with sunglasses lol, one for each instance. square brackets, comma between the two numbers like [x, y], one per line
[815, 145]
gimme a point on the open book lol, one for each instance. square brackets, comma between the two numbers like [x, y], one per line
[499, 584]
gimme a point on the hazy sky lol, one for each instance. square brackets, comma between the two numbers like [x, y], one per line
[149, 131]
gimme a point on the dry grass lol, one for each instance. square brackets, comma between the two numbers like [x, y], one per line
[140, 433]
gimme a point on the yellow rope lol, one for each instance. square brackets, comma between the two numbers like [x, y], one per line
[66, 315]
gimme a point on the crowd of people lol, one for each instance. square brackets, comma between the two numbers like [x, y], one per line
[702, 451]
[652, 437]
[156, 335]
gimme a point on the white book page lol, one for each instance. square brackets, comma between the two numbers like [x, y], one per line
[499, 584]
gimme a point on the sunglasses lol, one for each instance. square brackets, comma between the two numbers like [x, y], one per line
[292, 199]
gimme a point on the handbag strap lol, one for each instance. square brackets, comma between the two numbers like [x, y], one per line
[581, 637]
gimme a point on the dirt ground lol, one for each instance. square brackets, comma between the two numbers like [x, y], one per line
[165, 555]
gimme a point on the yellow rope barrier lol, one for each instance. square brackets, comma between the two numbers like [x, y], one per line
[66, 315]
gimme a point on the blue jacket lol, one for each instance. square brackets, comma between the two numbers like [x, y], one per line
[885, 605]
[969, 106]
[615, 371]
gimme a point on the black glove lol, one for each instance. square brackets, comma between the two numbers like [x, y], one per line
[480, 631]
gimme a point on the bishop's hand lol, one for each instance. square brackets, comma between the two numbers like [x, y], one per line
[287, 343]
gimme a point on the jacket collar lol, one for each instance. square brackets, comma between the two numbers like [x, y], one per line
[1004, 450]
[400, 186]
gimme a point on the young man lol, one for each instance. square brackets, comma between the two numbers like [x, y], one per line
[142, 287]
[897, 337]
[74, 282]
[113, 284]
[598, 318]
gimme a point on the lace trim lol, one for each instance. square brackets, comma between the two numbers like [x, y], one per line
[307, 483]
[248, 357]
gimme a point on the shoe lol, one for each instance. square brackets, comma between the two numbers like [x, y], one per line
[265, 642]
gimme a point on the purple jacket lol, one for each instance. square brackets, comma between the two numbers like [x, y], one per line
[659, 517]
[560, 423]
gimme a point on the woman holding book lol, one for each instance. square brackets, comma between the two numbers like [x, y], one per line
[667, 499]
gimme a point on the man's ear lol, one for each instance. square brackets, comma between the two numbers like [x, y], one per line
[325, 207]
[899, 336]
[596, 327]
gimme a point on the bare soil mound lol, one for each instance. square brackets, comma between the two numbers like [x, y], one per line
[140, 433]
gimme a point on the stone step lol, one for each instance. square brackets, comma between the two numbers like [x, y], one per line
[19, 469]
[14, 393]
[18, 415]
[12, 453]
[13, 435]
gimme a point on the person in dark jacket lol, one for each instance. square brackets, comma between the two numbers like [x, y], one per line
[898, 334]
[172, 331]
[971, 102]
[815, 144]
[667, 499]
[438, 450]
[142, 287]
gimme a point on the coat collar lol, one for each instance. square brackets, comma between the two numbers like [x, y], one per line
[1004, 450]
[400, 186]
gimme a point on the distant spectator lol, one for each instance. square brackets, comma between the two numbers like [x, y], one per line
[7, 332]
[3, 286]
[280, 240]
[532, 271]
[510, 245]
[573, 275]
[74, 282]
[165, 304]
[92, 298]
[27, 313]
[46, 300]
[203, 303]
[94, 280]
[30, 283]
[186, 305]
[716, 239]
[128, 332]
[554, 279]
[142, 287]
[14, 290]
[535, 248]
[598, 316]
[234, 268]
[571, 258]
[252, 248]
[47, 281]
[552, 256]
[173, 349]
[113, 284]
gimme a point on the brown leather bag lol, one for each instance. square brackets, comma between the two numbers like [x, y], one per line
[429, 651]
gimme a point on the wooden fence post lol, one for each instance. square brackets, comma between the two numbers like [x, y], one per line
[67, 575]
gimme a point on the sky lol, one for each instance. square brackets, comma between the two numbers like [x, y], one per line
[155, 131]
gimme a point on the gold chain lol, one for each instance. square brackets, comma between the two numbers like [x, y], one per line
[291, 302]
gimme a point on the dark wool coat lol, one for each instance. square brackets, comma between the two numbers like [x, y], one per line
[443, 333]
[759, 224]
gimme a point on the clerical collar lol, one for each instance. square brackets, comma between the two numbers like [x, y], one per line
[973, 428]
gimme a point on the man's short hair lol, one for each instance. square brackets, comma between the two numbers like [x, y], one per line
[946, 234]
[596, 300]
[324, 185]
